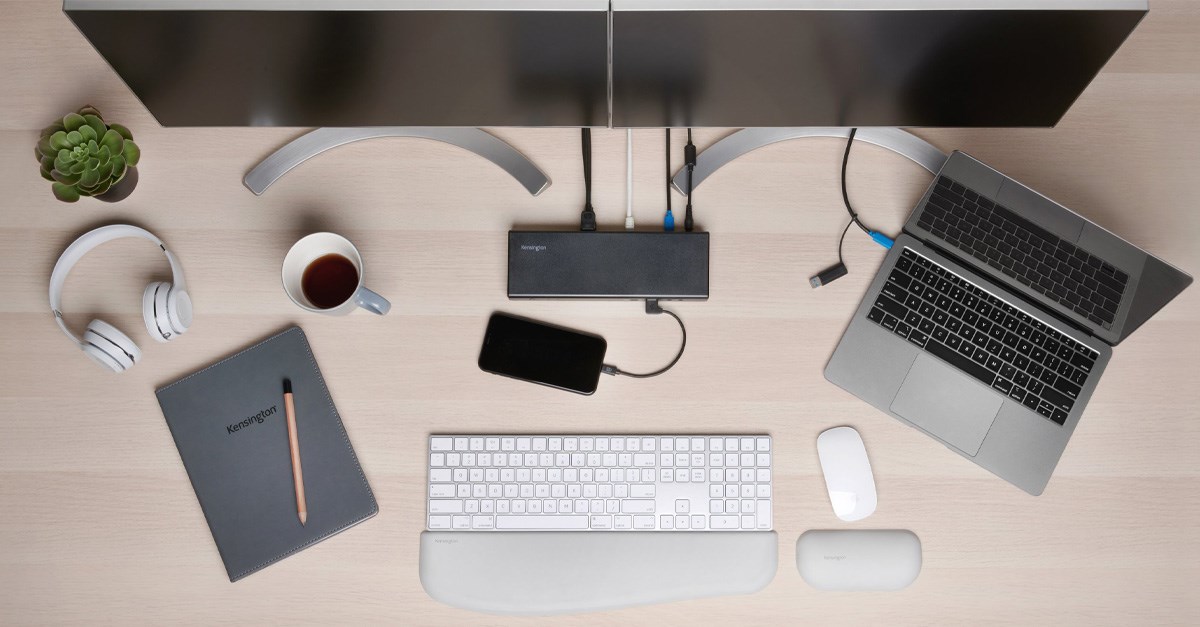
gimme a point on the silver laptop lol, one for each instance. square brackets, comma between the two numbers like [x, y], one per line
[992, 319]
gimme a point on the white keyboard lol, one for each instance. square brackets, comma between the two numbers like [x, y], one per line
[599, 482]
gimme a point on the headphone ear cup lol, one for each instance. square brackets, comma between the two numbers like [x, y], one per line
[179, 309]
[154, 311]
[109, 347]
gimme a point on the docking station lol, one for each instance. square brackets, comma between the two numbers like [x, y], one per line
[628, 265]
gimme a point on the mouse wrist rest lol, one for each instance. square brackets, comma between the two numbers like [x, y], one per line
[859, 559]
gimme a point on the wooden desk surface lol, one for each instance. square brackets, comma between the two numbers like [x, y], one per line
[98, 522]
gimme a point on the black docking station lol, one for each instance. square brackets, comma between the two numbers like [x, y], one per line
[623, 265]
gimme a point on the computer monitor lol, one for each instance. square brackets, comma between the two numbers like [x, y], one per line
[628, 63]
[782, 63]
[357, 62]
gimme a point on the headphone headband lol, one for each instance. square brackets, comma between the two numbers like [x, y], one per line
[88, 242]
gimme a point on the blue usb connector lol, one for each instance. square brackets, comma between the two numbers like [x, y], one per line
[882, 239]
[669, 221]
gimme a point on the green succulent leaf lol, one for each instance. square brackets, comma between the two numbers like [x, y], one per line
[45, 147]
[46, 173]
[95, 123]
[118, 168]
[73, 121]
[102, 187]
[78, 167]
[122, 130]
[65, 193]
[74, 137]
[64, 178]
[131, 153]
[63, 163]
[113, 141]
[104, 170]
[47, 163]
[89, 178]
[53, 128]
[88, 133]
[59, 140]
[104, 154]
[87, 110]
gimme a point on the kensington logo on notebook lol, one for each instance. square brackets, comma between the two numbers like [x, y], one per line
[258, 418]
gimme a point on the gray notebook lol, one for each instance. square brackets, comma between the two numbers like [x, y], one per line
[229, 425]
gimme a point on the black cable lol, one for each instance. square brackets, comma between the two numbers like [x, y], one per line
[842, 240]
[837, 271]
[689, 159]
[587, 218]
[652, 307]
[845, 195]
[669, 218]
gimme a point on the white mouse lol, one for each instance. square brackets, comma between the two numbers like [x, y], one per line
[847, 473]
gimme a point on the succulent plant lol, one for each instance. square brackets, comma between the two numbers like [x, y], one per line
[83, 156]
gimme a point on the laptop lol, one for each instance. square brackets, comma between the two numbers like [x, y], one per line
[992, 319]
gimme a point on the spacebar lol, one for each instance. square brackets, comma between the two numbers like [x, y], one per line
[958, 360]
[541, 522]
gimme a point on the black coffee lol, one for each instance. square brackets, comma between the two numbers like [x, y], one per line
[329, 281]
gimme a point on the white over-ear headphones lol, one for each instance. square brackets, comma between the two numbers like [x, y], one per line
[166, 307]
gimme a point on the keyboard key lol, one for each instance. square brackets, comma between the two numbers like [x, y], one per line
[890, 306]
[1031, 400]
[438, 491]
[541, 522]
[1068, 388]
[1082, 362]
[1055, 399]
[637, 506]
[724, 522]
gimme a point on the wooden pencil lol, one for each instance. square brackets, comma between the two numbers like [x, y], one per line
[294, 443]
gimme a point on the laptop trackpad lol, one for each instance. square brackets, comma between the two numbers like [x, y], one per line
[947, 403]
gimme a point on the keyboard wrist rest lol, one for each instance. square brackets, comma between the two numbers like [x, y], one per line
[556, 572]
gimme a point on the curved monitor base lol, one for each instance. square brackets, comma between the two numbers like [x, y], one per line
[716, 156]
[474, 140]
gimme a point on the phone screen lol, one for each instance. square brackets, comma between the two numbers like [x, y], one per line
[549, 355]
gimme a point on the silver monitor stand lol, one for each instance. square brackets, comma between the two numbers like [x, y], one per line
[474, 140]
[741, 142]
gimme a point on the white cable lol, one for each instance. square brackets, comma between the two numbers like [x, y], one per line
[629, 179]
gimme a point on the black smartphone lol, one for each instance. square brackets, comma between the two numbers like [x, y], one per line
[542, 353]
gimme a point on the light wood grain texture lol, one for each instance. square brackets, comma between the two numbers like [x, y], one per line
[98, 522]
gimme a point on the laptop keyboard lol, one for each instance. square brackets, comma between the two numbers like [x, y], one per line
[983, 336]
[1038, 259]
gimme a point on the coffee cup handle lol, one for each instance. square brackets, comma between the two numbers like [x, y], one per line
[371, 301]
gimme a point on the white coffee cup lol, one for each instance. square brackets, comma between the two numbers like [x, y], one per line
[312, 247]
